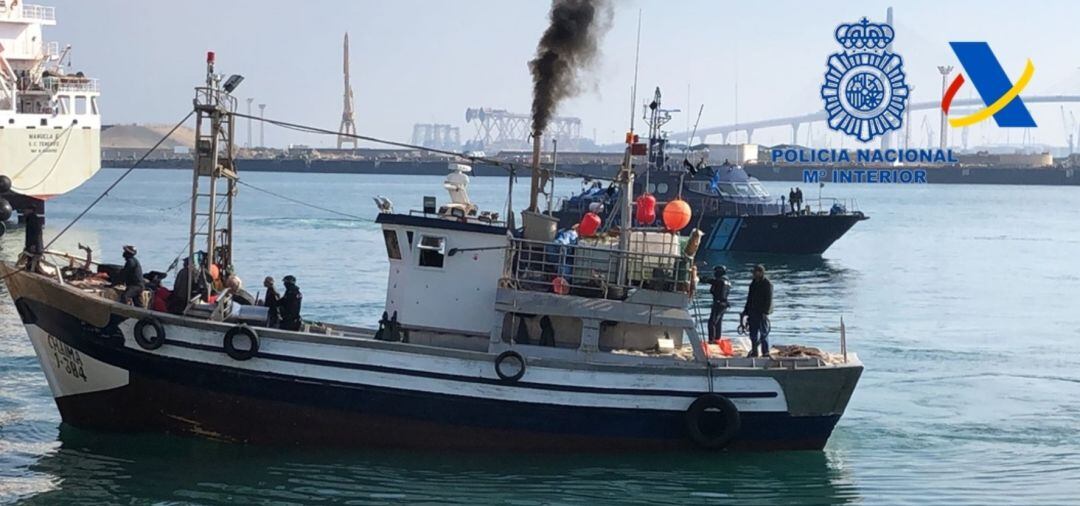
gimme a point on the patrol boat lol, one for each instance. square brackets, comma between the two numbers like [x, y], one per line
[493, 337]
[50, 124]
[737, 214]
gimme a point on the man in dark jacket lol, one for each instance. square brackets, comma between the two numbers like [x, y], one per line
[178, 299]
[798, 200]
[289, 306]
[792, 198]
[272, 303]
[720, 290]
[131, 276]
[756, 313]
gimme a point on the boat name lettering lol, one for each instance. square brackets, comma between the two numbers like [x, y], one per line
[67, 358]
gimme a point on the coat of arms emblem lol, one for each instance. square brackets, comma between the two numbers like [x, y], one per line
[864, 88]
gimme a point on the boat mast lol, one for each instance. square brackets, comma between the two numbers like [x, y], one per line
[213, 185]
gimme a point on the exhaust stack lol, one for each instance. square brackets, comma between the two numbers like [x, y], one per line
[534, 189]
[537, 225]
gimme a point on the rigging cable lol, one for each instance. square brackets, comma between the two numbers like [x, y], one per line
[511, 167]
[66, 134]
[307, 204]
[119, 179]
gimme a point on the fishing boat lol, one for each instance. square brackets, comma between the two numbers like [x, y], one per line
[735, 211]
[50, 124]
[493, 337]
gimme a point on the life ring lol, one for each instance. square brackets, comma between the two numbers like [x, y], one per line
[153, 342]
[707, 437]
[241, 353]
[514, 375]
[25, 314]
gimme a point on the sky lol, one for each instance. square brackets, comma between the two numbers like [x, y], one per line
[426, 61]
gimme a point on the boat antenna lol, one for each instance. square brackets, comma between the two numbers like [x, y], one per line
[637, 56]
[693, 133]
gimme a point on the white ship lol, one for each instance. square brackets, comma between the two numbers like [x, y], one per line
[50, 124]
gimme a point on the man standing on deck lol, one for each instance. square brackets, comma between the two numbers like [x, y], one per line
[798, 197]
[272, 303]
[791, 199]
[132, 278]
[756, 313]
[289, 306]
[720, 289]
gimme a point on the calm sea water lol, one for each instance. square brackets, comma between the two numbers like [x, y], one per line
[961, 301]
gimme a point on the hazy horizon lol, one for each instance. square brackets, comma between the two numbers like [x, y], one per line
[417, 61]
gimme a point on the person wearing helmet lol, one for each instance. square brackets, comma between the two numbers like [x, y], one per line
[272, 301]
[720, 289]
[131, 276]
[755, 314]
[289, 306]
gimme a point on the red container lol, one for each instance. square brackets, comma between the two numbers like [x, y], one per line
[589, 225]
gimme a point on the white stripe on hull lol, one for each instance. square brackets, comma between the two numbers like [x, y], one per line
[70, 372]
[535, 374]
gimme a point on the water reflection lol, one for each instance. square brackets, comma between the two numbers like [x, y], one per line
[95, 468]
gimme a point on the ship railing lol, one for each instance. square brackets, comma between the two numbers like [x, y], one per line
[590, 271]
[71, 84]
[207, 96]
[39, 12]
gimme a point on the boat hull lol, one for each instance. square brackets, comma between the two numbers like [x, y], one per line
[778, 234]
[101, 380]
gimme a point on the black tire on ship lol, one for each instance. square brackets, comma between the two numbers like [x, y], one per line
[241, 353]
[512, 376]
[712, 421]
[154, 341]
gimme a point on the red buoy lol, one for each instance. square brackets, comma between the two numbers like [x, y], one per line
[677, 215]
[589, 225]
[646, 210]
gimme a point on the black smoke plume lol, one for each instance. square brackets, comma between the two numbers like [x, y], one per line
[569, 45]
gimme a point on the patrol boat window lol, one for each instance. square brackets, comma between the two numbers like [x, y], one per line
[744, 189]
[432, 251]
[759, 190]
[727, 189]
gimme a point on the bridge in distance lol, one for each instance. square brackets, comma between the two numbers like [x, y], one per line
[795, 122]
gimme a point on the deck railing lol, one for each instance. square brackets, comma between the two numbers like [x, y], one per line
[591, 271]
[71, 84]
[40, 12]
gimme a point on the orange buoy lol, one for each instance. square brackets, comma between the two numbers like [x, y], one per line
[677, 215]
[589, 225]
[215, 272]
[646, 209]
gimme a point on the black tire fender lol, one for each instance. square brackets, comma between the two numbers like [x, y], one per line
[241, 353]
[712, 440]
[156, 340]
[512, 356]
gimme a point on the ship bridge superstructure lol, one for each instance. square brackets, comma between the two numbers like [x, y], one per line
[50, 124]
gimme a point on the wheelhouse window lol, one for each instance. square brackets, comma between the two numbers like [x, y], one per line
[759, 190]
[432, 251]
[727, 189]
[393, 250]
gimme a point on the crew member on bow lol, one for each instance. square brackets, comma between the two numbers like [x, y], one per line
[289, 306]
[720, 290]
[131, 276]
[272, 303]
[755, 315]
